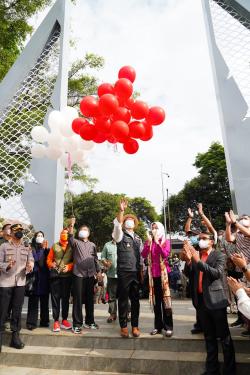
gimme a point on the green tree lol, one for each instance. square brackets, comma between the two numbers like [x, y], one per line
[211, 187]
[98, 211]
[14, 28]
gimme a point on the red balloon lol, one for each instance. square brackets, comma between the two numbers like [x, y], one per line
[108, 104]
[148, 132]
[89, 106]
[99, 137]
[120, 130]
[122, 114]
[136, 129]
[156, 115]
[111, 139]
[103, 124]
[87, 132]
[131, 146]
[129, 103]
[78, 123]
[123, 88]
[139, 110]
[105, 88]
[127, 72]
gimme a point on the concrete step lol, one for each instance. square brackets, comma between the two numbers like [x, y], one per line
[102, 340]
[7, 370]
[112, 360]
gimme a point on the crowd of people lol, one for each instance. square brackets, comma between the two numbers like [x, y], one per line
[216, 265]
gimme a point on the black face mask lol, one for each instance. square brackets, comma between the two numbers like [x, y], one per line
[18, 234]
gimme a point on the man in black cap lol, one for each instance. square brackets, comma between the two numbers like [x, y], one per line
[16, 261]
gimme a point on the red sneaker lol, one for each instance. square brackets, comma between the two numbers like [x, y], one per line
[66, 325]
[56, 327]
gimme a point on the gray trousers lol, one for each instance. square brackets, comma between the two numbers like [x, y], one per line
[112, 292]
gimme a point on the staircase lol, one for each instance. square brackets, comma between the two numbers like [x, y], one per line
[104, 352]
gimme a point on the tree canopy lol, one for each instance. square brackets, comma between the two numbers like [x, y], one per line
[98, 210]
[211, 187]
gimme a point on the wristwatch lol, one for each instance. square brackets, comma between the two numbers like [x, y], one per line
[244, 269]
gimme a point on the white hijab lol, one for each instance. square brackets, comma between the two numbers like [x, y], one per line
[161, 230]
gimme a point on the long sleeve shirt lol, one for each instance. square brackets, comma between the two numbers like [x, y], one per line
[157, 250]
[16, 275]
[243, 302]
[85, 258]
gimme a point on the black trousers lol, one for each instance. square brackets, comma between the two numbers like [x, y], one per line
[16, 296]
[215, 326]
[128, 288]
[163, 316]
[83, 292]
[33, 308]
[60, 292]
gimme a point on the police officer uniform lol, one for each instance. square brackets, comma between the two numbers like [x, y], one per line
[12, 283]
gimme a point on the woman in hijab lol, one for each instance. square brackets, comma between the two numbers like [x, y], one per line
[157, 249]
[40, 293]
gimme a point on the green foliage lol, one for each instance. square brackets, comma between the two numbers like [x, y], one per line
[211, 187]
[81, 83]
[98, 210]
[14, 28]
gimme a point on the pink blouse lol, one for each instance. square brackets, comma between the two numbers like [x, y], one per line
[157, 250]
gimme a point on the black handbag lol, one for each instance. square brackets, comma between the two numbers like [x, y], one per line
[30, 285]
[54, 272]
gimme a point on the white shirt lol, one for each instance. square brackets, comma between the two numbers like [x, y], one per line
[243, 302]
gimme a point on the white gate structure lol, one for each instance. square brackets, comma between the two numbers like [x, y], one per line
[32, 191]
[228, 31]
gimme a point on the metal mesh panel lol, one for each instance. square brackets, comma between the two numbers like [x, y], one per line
[232, 34]
[26, 110]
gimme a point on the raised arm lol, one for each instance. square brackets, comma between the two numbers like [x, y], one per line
[189, 221]
[229, 236]
[241, 228]
[205, 219]
[117, 231]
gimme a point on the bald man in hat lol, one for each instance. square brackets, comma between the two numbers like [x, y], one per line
[16, 260]
[129, 268]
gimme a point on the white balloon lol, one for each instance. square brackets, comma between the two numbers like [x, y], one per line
[53, 153]
[86, 145]
[39, 134]
[55, 120]
[55, 140]
[66, 130]
[70, 144]
[69, 113]
[38, 151]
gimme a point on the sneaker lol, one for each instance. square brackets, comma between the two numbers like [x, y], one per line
[237, 324]
[168, 333]
[76, 330]
[86, 326]
[94, 326]
[245, 333]
[65, 324]
[56, 327]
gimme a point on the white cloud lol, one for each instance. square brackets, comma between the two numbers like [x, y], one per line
[166, 43]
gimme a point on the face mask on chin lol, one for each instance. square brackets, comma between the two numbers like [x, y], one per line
[129, 224]
[83, 234]
[204, 244]
[18, 235]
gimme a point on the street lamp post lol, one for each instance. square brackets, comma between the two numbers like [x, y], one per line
[163, 199]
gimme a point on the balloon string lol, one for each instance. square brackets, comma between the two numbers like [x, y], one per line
[69, 170]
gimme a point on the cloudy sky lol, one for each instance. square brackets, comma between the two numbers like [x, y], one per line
[165, 41]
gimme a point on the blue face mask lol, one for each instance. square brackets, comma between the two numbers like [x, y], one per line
[194, 240]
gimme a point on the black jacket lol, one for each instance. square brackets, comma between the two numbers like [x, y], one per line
[212, 282]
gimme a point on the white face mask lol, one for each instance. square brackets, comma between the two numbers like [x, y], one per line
[129, 224]
[203, 244]
[155, 232]
[39, 239]
[83, 233]
[245, 222]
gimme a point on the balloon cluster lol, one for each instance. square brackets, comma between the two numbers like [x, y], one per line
[114, 115]
[61, 140]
